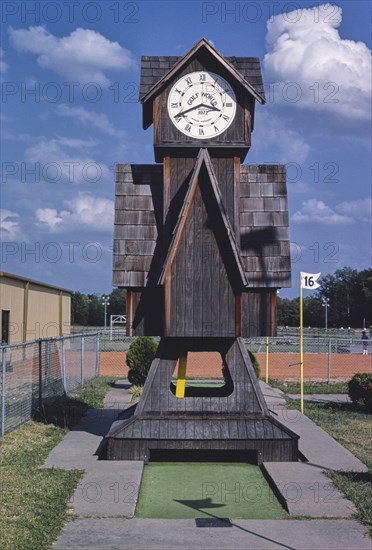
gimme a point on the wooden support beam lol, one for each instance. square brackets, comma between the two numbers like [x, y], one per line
[181, 377]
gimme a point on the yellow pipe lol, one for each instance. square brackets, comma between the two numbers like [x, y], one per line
[181, 377]
[301, 351]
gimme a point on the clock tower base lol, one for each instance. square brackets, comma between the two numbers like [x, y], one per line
[230, 421]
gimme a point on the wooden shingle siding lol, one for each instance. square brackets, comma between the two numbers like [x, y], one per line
[264, 233]
[138, 224]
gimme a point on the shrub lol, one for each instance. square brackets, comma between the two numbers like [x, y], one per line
[139, 358]
[255, 365]
[360, 390]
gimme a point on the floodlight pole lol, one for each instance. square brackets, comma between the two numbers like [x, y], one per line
[325, 302]
[105, 302]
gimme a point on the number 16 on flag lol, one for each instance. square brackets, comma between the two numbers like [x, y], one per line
[309, 280]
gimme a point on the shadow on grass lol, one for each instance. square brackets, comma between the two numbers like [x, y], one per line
[215, 521]
[64, 412]
[345, 407]
[359, 477]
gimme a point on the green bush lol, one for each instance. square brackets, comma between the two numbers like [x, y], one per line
[360, 390]
[139, 358]
[255, 364]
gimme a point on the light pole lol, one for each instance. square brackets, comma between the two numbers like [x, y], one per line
[105, 302]
[325, 302]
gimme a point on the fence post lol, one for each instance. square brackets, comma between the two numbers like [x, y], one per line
[39, 342]
[63, 352]
[47, 358]
[82, 361]
[97, 354]
[3, 381]
[267, 360]
[329, 360]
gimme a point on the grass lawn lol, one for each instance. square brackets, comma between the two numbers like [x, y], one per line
[33, 505]
[181, 490]
[352, 428]
[34, 501]
[310, 387]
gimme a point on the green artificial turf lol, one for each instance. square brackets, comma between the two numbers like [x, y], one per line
[187, 490]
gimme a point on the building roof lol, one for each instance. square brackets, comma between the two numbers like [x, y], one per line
[158, 71]
[33, 281]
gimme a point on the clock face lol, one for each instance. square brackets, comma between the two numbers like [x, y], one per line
[202, 105]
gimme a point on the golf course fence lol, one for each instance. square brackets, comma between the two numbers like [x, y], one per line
[37, 373]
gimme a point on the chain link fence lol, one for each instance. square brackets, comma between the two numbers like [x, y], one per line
[327, 357]
[36, 373]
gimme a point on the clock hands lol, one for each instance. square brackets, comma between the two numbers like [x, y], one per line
[199, 106]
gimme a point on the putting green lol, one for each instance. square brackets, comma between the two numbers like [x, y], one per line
[186, 490]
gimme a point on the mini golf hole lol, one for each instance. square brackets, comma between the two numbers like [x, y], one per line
[213, 491]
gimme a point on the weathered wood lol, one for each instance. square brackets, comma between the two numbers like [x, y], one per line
[201, 243]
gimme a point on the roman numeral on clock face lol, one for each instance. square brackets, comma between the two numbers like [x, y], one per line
[201, 105]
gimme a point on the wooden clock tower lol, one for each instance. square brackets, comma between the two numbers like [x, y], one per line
[201, 244]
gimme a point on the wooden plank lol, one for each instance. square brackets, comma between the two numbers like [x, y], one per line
[135, 217]
[137, 248]
[136, 232]
[129, 278]
[189, 274]
[132, 263]
[135, 202]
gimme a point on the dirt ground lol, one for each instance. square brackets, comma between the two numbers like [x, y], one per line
[282, 366]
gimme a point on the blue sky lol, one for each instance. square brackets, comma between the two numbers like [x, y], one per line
[70, 111]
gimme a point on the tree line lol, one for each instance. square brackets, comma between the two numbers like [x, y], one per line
[88, 309]
[349, 293]
[350, 302]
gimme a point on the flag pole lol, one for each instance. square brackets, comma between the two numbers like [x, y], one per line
[301, 350]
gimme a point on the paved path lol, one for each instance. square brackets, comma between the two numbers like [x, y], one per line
[105, 500]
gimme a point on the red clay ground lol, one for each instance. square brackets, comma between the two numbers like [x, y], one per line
[208, 365]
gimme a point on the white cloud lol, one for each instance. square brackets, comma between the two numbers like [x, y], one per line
[360, 209]
[83, 212]
[89, 118]
[82, 56]
[272, 131]
[3, 66]
[66, 160]
[305, 48]
[9, 226]
[317, 212]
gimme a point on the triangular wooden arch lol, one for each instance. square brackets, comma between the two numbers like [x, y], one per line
[203, 160]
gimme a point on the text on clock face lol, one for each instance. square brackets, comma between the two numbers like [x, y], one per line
[202, 105]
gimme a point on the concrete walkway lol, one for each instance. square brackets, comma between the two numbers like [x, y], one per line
[105, 500]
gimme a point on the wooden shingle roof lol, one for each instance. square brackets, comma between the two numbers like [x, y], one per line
[154, 67]
[159, 71]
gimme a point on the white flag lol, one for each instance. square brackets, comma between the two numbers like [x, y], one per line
[309, 280]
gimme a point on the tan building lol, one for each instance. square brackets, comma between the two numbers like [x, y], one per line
[31, 309]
